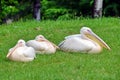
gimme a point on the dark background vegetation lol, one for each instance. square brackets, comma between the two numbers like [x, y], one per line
[56, 9]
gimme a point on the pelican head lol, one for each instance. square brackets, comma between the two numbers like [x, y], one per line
[20, 43]
[88, 33]
[85, 30]
[40, 38]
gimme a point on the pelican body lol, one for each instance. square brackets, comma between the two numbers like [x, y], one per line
[85, 42]
[42, 45]
[21, 52]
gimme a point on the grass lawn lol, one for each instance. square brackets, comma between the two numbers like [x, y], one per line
[62, 65]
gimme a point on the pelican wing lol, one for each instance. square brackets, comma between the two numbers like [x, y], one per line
[35, 44]
[71, 36]
[75, 44]
[29, 52]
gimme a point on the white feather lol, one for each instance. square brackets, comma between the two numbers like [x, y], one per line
[42, 45]
[83, 43]
[21, 53]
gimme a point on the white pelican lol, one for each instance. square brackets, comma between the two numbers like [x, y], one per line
[85, 42]
[21, 52]
[42, 45]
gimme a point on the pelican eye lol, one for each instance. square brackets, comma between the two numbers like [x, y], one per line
[40, 37]
[89, 31]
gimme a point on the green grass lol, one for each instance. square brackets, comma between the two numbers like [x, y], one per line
[62, 65]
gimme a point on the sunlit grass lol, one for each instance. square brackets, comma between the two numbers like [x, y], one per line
[62, 65]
